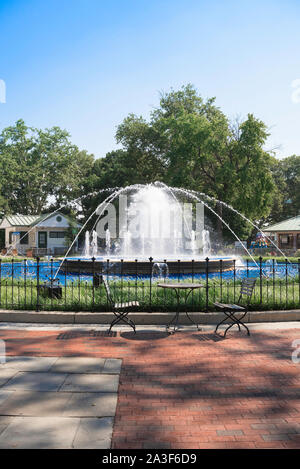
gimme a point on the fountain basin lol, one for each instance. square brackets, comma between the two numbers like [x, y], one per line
[144, 266]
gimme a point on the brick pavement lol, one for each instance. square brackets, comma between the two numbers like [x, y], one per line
[191, 390]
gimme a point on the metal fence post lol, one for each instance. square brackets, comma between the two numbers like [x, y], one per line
[273, 280]
[150, 292]
[12, 282]
[25, 280]
[66, 279]
[298, 277]
[114, 285]
[0, 279]
[286, 283]
[93, 287]
[122, 272]
[221, 279]
[38, 284]
[207, 287]
[193, 270]
[234, 279]
[51, 282]
[260, 280]
[79, 281]
[136, 279]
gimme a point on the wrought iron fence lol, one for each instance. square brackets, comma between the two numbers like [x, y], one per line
[39, 285]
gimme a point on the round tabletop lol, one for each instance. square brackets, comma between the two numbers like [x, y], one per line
[181, 286]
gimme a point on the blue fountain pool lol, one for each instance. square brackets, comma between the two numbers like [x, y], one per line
[47, 270]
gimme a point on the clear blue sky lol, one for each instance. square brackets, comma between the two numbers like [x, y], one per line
[85, 64]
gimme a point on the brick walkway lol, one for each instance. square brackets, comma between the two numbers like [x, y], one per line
[191, 390]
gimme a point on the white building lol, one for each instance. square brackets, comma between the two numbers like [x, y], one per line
[286, 234]
[41, 234]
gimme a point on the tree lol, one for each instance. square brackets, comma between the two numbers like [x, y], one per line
[40, 167]
[290, 168]
[119, 168]
[195, 146]
[286, 202]
[3, 205]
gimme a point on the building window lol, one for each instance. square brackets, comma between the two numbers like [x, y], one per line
[15, 235]
[24, 237]
[57, 234]
[298, 241]
[58, 218]
[286, 241]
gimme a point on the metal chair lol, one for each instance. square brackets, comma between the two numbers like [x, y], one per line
[120, 310]
[230, 310]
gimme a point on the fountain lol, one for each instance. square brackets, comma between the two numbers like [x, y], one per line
[94, 244]
[126, 247]
[107, 242]
[135, 251]
[160, 271]
[206, 243]
[193, 242]
[86, 249]
[157, 226]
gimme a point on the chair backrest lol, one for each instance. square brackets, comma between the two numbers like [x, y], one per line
[108, 293]
[247, 288]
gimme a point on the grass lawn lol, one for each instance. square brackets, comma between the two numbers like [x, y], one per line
[280, 259]
[20, 258]
[268, 294]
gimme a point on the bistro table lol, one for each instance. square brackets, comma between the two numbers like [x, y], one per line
[178, 287]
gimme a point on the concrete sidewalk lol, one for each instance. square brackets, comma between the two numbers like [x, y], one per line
[281, 325]
[52, 402]
[140, 318]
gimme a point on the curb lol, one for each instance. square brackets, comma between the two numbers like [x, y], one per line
[142, 318]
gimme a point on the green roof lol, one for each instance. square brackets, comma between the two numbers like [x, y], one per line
[31, 220]
[22, 220]
[292, 224]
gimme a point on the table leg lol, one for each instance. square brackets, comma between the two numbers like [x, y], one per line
[187, 314]
[176, 317]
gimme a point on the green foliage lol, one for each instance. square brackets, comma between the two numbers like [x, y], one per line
[190, 143]
[72, 230]
[286, 204]
[83, 297]
[37, 164]
[187, 142]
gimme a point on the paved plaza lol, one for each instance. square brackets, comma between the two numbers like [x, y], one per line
[58, 402]
[149, 390]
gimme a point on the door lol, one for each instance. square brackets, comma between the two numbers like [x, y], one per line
[42, 239]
